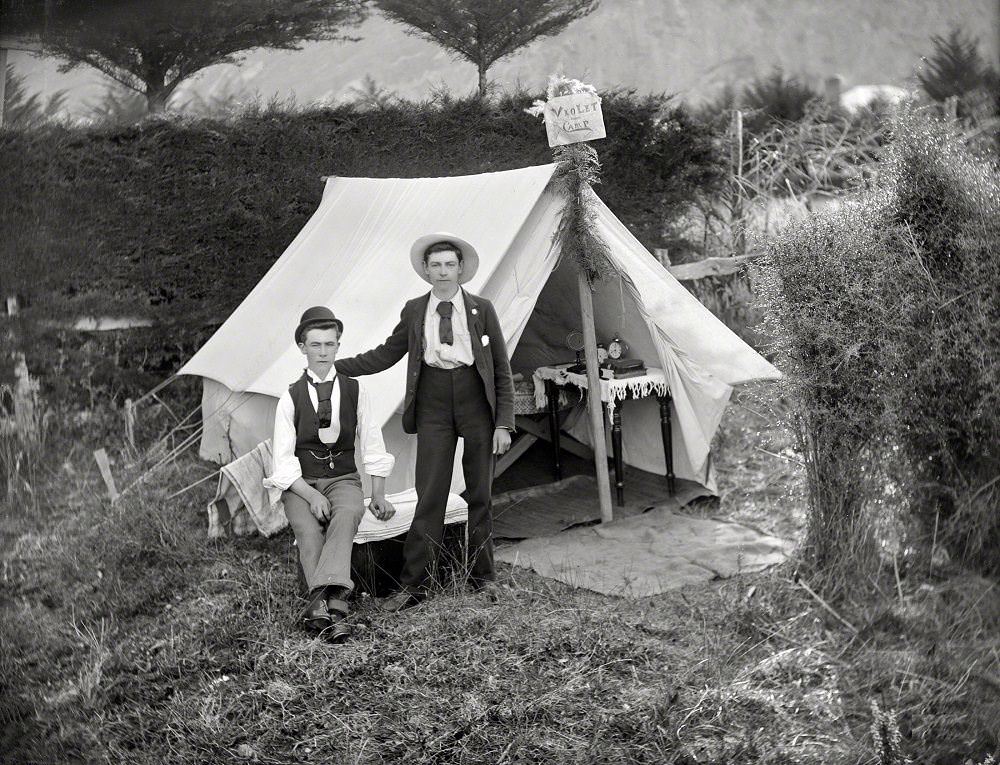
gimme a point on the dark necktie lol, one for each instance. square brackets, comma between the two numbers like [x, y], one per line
[444, 329]
[324, 412]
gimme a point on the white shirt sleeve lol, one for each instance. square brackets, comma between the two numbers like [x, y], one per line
[377, 460]
[286, 465]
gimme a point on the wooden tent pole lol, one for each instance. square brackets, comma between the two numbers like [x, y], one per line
[594, 397]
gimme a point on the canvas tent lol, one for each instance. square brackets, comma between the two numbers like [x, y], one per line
[352, 255]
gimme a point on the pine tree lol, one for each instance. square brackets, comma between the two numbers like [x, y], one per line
[955, 67]
[152, 46]
[21, 110]
[485, 31]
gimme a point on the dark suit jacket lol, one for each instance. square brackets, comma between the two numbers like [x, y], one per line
[408, 338]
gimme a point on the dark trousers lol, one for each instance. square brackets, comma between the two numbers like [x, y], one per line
[451, 403]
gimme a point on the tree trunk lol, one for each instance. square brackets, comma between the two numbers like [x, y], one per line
[157, 95]
[482, 78]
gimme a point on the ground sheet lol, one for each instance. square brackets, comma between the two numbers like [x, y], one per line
[640, 553]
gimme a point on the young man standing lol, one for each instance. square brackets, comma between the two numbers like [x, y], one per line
[315, 425]
[458, 384]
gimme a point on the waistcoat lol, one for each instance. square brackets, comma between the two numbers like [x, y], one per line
[315, 456]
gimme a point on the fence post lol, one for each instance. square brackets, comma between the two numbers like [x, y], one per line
[104, 465]
[951, 108]
[737, 215]
[832, 87]
[25, 402]
[130, 422]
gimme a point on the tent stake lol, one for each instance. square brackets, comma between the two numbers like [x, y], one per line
[104, 465]
[594, 396]
[130, 422]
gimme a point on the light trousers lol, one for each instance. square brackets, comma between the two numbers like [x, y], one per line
[325, 548]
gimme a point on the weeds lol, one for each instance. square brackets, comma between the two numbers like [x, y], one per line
[128, 636]
[23, 437]
[886, 737]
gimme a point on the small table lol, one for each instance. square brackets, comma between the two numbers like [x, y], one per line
[548, 380]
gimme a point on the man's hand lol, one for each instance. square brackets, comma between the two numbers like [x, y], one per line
[381, 507]
[319, 505]
[501, 441]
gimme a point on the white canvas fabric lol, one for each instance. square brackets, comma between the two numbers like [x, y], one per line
[353, 256]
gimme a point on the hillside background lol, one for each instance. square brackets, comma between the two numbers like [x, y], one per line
[688, 47]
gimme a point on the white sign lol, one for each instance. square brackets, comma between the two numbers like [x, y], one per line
[573, 118]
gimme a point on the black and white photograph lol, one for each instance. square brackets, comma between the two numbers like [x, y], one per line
[487, 382]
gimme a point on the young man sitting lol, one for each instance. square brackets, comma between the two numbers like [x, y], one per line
[315, 425]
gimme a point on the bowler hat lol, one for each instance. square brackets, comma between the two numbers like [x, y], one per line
[318, 314]
[470, 258]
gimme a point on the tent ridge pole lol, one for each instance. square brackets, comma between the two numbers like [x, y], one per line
[594, 407]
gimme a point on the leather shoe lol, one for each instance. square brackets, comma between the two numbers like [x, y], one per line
[315, 619]
[401, 600]
[338, 632]
[489, 589]
[315, 616]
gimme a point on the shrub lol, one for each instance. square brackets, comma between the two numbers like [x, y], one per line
[778, 97]
[945, 216]
[81, 370]
[766, 100]
[888, 319]
[821, 286]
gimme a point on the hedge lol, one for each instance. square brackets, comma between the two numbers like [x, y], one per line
[176, 220]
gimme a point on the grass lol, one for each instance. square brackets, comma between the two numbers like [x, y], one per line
[128, 637]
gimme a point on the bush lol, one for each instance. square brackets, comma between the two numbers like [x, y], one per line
[945, 215]
[779, 98]
[821, 288]
[768, 100]
[81, 370]
[888, 319]
[175, 220]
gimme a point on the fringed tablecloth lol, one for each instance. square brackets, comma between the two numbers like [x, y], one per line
[651, 383]
[526, 399]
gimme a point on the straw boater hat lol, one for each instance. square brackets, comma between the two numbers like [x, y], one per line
[470, 258]
[318, 314]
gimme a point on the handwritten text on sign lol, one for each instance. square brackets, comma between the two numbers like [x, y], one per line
[574, 118]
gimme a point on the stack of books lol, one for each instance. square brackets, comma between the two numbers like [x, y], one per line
[622, 369]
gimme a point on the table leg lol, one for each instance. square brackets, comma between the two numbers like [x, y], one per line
[665, 430]
[552, 394]
[616, 448]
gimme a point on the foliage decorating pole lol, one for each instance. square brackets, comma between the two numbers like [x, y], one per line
[572, 116]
